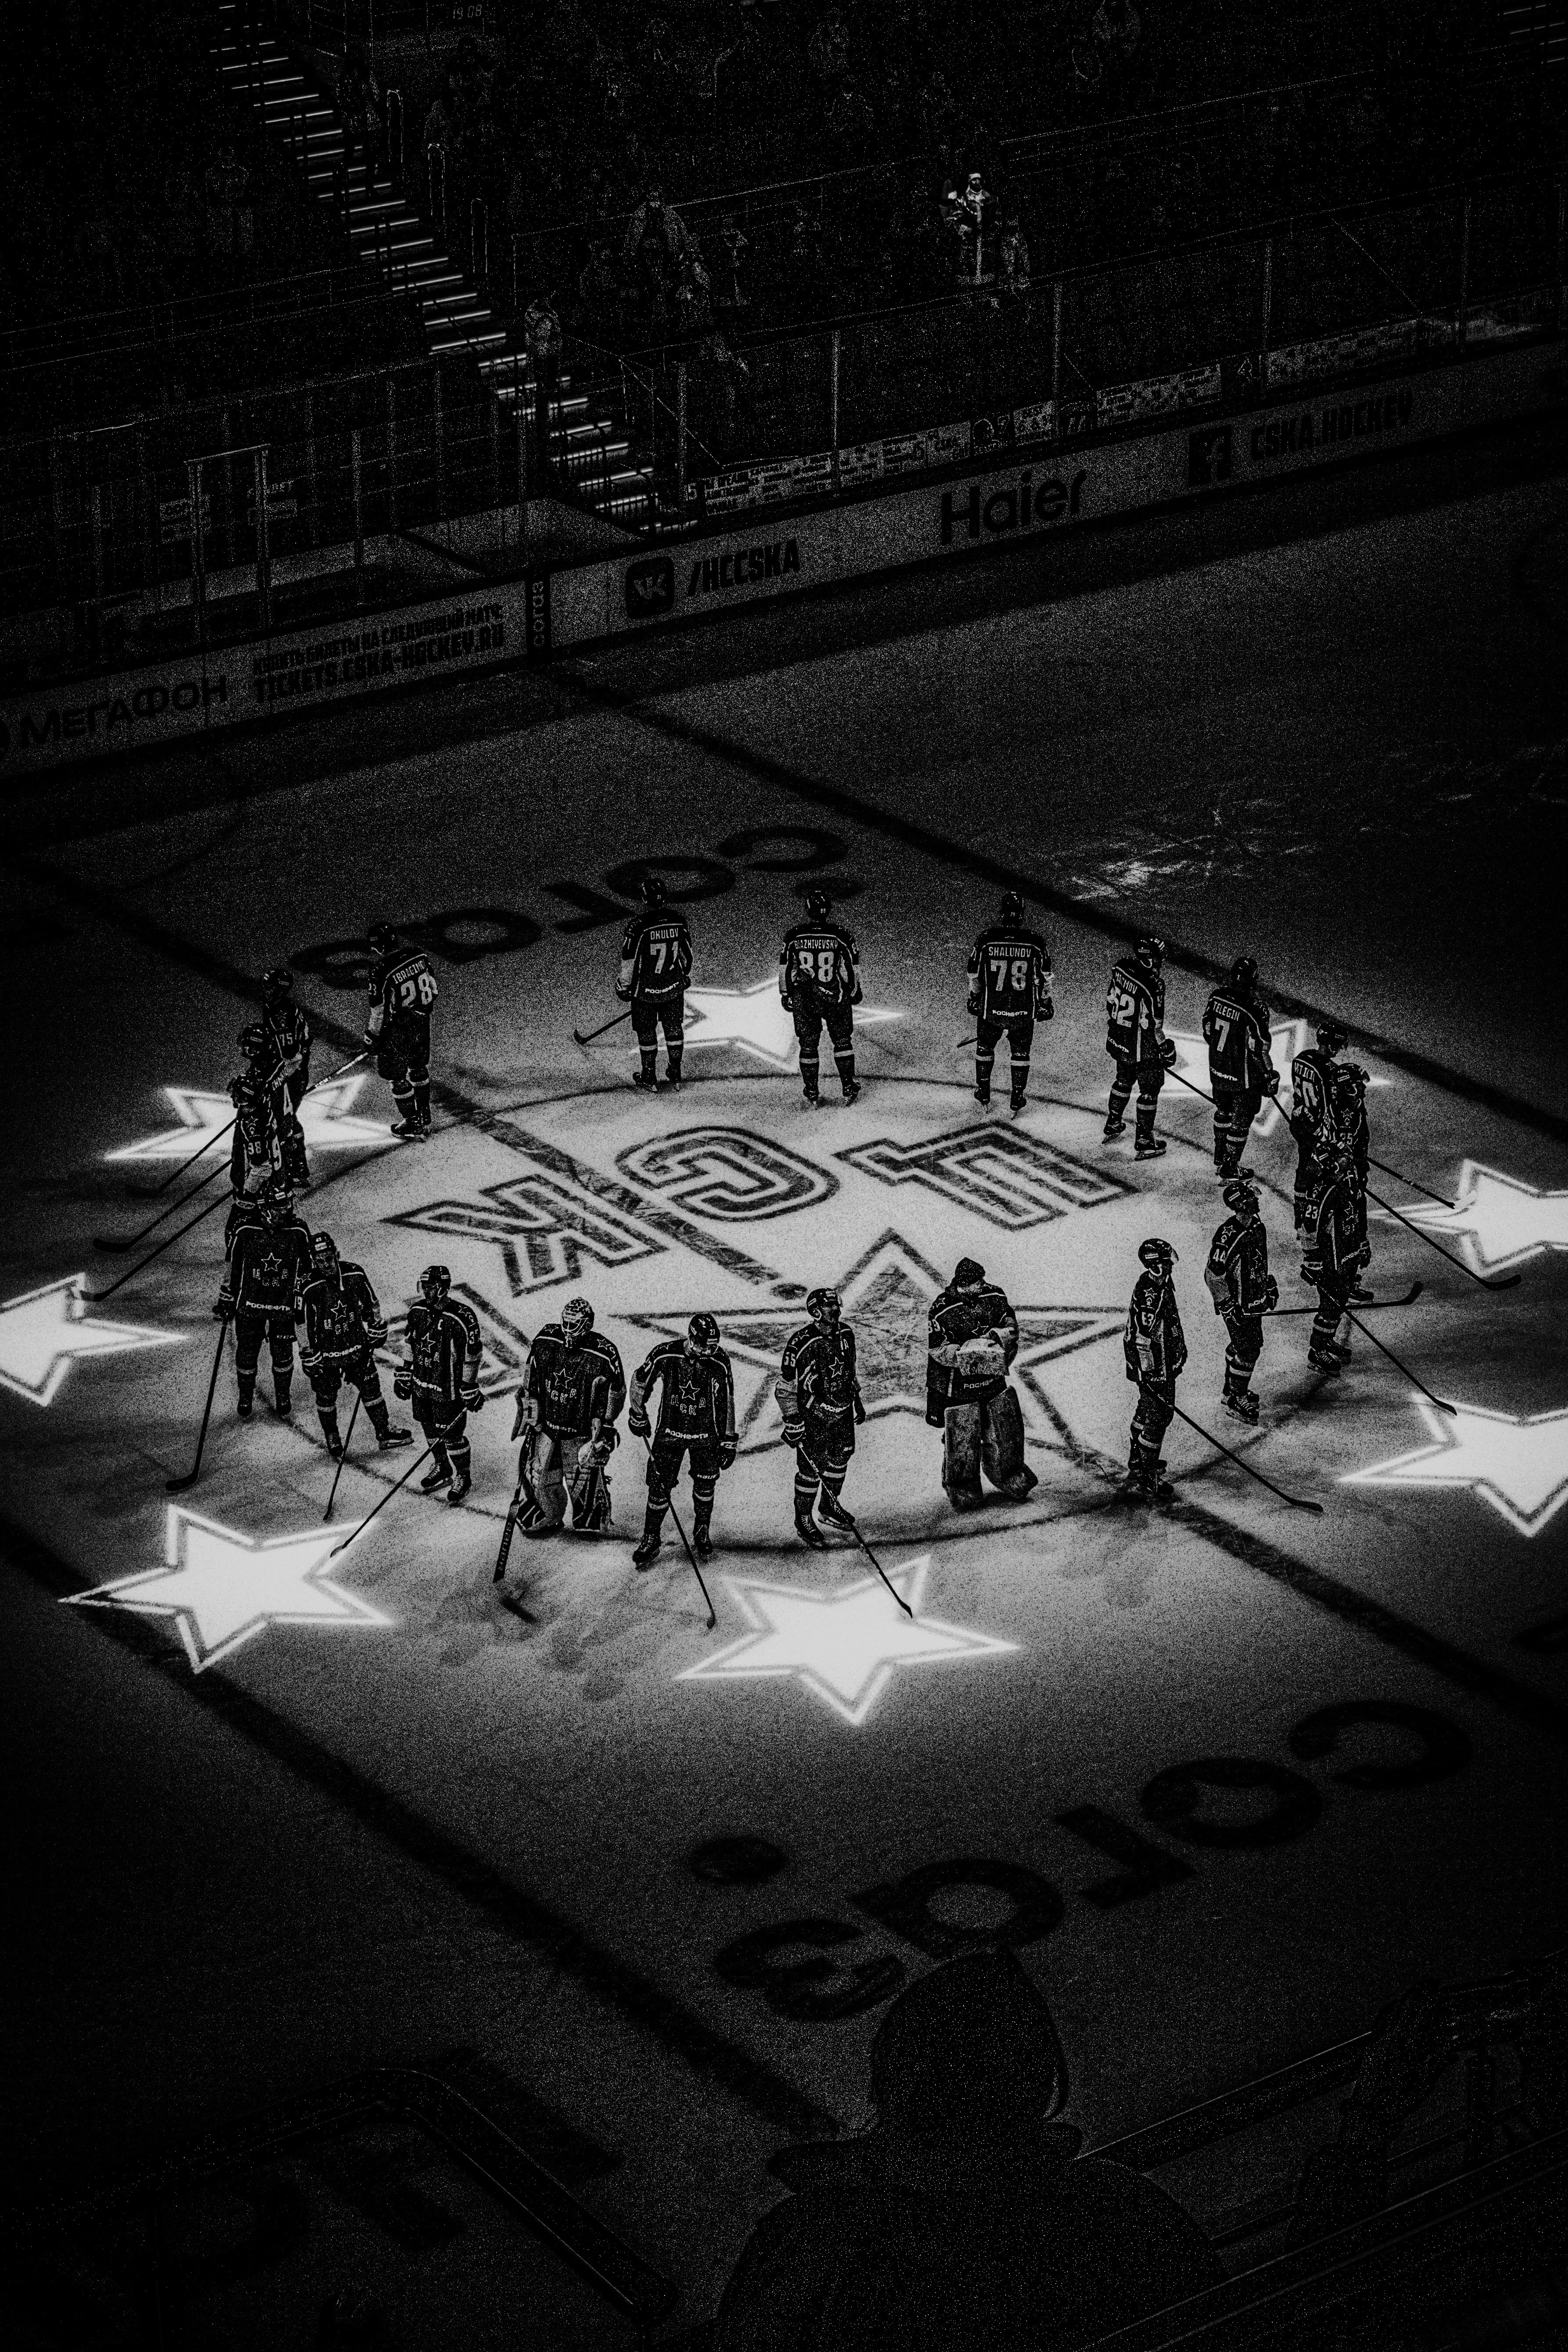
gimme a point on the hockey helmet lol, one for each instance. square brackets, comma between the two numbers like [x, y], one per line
[253, 1042]
[1157, 1256]
[1012, 907]
[1333, 1038]
[1244, 975]
[654, 892]
[433, 1284]
[576, 1320]
[968, 1273]
[824, 1305]
[818, 906]
[324, 1255]
[276, 1202]
[1149, 949]
[382, 939]
[702, 1334]
[1239, 1196]
[277, 983]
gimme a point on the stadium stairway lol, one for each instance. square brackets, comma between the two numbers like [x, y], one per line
[386, 230]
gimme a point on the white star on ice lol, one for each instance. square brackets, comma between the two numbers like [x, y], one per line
[1500, 1221]
[323, 1115]
[756, 1020]
[1519, 1466]
[842, 1646]
[223, 1588]
[1286, 1040]
[44, 1330]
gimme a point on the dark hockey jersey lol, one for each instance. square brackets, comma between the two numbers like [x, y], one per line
[655, 955]
[1134, 1013]
[818, 1375]
[819, 963]
[339, 1317]
[289, 1040]
[255, 1155]
[972, 1338]
[402, 989]
[1313, 1076]
[1334, 1240]
[1236, 1032]
[267, 1268]
[444, 1351]
[1237, 1268]
[574, 1386]
[696, 1393]
[1153, 1342]
[1009, 974]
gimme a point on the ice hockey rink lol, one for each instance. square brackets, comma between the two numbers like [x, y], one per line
[1227, 1778]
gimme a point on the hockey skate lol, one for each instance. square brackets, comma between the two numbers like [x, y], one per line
[460, 1485]
[1324, 1360]
[438, 1475]
[982, 1097]
[1113, 1127]
[410, 1130]
[645, 1082]
[332, 1440]
[1243, 1407]
[808, 1531]
[852, 1092]
[648, 1552]
[1149, 1147]
[1016, 1105]
[391, 1437]
[833, 1512]
[702, 1541]
[283, 1404]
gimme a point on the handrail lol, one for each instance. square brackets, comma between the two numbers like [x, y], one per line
[225, 306]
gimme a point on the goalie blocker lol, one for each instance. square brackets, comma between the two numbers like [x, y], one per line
[972, 1341]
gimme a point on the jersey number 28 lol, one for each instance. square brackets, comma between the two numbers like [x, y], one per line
[419, 989]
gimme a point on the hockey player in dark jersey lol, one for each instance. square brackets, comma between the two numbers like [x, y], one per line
[1312, 1076]
[1009, 991]
[256, 1153]
[286, 1030]
[1244, 1292]
[1155, 1349]
[818, 1393]
[1241, 1066]
[1136, 1040]
[1333, 1252]
[820, 981]
[567, 1407]
[267, 1268]
[342, 1325]
[656, 964]
[695, 1416]
[402, 991]
[442, 1377]
[972, 1338]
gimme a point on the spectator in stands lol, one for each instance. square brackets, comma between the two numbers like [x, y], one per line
[851, 125]
[1117, 28]
[938, 118]
[1013, 262]
[359, 98]
[731, 292]
[828, 52]
[656, 247]
[971, 211]
[541, 339]
[436, 141]
[964, 2215]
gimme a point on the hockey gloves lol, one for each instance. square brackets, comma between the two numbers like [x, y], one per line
[402, 1385]
[638, 1422]
[859, 1408]
[473, 1400]
[1271, 1294]
[1168, 1052]
[726, 1452]
[794, 1433]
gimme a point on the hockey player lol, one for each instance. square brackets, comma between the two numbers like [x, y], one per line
[342, 1325]
[695, 1414]
[267, 1268]
[1333, 1252]
[1135, 1039]
[1244, 1292]
[1155, 1348]
[255, 1154]
[972, 1338]
[1009, 990]
[567, 1407]
[402, 991]
[1354, 1135]
[1241, 1066]
[819, 981]
[1312, 1076]
[442, 1377]
[819, 1395]
[286, 1030]
[656, 964]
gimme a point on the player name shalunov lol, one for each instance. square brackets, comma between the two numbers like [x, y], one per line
[1314, 428]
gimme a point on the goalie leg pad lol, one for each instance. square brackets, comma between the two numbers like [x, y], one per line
[1001, 1445]
[960, 1436]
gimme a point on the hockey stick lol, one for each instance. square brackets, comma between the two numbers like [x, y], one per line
[1500, 1282]
[439, 1436]
[343, 1457]
[508, 1531]
[859, 1539]
[1403, 1368]
[1382, 1165]
[964, 1044]
[178, 1486]
[117, 1246]
[1410, 1296]
[1297, 1502]
[96, 1298]
[681, 1531]
[588, 1039]
[151, 1192]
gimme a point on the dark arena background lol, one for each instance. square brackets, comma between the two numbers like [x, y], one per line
[782, 1335]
